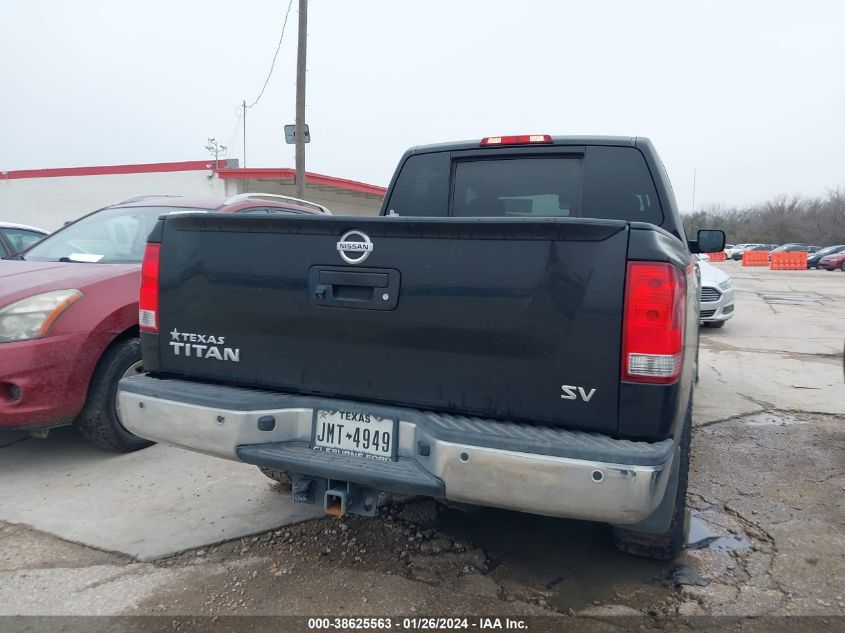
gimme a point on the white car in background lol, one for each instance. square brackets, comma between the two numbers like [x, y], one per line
[16, 237]
[737, 251]
[717, 294]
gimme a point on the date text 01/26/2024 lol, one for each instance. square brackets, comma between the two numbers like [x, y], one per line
[419, 623]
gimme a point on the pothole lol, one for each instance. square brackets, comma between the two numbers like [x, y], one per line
[793, 298]
[772, 418]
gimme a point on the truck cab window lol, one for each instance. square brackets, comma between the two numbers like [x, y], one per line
[422, 188]
[618, 186]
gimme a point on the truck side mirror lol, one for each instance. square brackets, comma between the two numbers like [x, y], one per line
[709, 241]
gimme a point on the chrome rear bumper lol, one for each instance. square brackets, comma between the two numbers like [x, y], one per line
[534, 469]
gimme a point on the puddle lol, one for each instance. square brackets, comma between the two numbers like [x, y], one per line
[793, 298]
[701, 534]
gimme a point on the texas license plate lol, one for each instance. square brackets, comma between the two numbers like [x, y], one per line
[354, 433]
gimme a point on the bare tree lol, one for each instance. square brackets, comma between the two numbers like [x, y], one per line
[786, 218]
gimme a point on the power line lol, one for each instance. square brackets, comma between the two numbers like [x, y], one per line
[240, 112]
[275, 55]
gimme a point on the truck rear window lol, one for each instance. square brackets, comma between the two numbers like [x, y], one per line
[517, 187]
[606, 182]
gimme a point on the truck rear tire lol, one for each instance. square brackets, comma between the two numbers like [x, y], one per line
[667, 545]
[280, 476]
[99, 422]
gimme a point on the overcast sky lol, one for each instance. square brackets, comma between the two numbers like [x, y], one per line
[750, 94]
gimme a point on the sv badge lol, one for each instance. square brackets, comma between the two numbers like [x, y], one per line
[572, 392]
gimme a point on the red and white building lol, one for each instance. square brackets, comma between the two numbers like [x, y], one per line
[48, 198]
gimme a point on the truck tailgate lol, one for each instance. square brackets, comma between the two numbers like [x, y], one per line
[511, 319]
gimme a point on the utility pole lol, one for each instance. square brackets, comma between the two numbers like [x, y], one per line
[300, 99]
[244, 106]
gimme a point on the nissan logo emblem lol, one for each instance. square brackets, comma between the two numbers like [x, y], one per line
[354, 247]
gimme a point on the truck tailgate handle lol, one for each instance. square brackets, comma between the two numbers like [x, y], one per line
[357, 278]
[361, 289]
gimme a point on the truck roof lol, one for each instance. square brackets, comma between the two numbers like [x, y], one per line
[627, 141]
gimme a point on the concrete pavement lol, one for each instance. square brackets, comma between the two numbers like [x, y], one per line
[148, 504]
[775, 354]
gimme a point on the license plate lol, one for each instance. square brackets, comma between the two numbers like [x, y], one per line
[354, 433]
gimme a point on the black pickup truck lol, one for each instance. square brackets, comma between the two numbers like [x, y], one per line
[518, 329]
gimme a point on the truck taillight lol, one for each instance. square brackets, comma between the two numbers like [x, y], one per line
[516, 140]
[148, 301]
[653, 323]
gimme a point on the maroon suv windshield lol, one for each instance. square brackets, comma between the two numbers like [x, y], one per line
[111, 236]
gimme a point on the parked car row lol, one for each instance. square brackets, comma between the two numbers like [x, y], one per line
[69, 314]
[735, 252]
